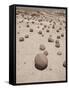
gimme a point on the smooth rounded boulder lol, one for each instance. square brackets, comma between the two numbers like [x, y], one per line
[41, 61]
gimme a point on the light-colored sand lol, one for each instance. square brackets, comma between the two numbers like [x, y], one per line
[27, 50]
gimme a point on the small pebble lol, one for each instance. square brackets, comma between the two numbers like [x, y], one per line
[58, 37]
[57, 45]
[26, 36]
[21, 39]
[59, 53]
[18, 32]
[45, 26]
[42, 47]
[27, 25]
[47, 30]
[31, 30]
[57, 31]
[50, 39]
[42, 35]
[42, 28]
[45, 53]
[40, 32]
[57, 41]
[60, 28]
[64, 64]
[62, 35]
[50, 69]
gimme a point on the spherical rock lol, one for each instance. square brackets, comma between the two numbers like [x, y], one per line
[21, 39]
[26, 36]
[42, 47]
[45, 53]
[41, 61]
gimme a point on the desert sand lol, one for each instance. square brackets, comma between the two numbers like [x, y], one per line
[40, 31]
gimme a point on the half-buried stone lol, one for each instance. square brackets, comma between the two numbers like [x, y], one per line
[41, 61]
[42, 47]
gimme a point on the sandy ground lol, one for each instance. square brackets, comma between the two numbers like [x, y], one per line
[27, 50]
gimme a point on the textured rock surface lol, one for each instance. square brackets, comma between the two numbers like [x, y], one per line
[41, 61]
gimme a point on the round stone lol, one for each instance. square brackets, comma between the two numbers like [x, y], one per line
[64, 64]
[21, 39]
[57, 41]
[31, 30]
[40, 32]
[62, 35]
[47, 30]
[45, 26]
[50, 39]
[27, 25]
[42, 47]
[45, 53]
[42, 35]
[59, 53]
[57, 45]
[57, 31]
[26, 36]
[41, 61]
[58, 37]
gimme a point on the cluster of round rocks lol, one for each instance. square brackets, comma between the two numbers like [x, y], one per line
[41, 60]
